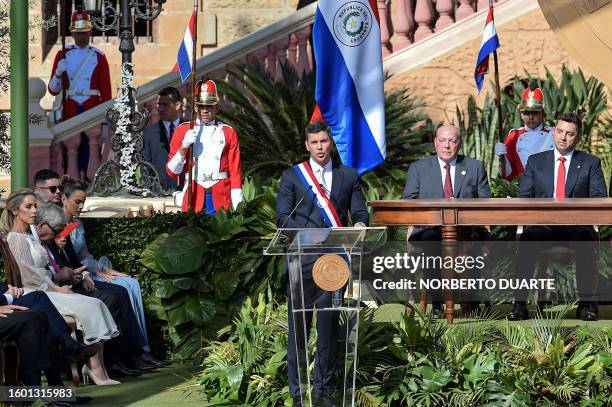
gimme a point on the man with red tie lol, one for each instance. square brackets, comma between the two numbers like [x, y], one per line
[562, 173]
[217, 174]
[534, 137]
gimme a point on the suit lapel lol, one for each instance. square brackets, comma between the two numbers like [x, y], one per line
[572, 175]
[459, 176]
[438, 185]
[163, 138]
[336, 185]
[549, 173]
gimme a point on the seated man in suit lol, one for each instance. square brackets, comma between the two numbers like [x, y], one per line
[30, 330]
[446, 175]
[306, 191]
[562, 173]
[157, 136]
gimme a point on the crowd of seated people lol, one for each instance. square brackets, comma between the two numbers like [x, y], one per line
[62, 279]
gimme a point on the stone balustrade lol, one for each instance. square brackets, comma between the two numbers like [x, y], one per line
[402, 23]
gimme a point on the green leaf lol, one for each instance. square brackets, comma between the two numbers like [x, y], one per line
[165, 288]
[148, 258]
[225, 284]
[182, 252]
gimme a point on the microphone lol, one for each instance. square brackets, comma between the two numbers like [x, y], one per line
[296, 206]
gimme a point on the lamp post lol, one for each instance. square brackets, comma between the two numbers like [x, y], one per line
[136, 177]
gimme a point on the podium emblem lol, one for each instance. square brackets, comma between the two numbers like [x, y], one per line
[330, 272]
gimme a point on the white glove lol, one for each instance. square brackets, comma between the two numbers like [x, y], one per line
[61, 67]
[500, 149]
[190, 138]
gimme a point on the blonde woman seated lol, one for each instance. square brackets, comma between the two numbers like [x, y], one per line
[92, 317]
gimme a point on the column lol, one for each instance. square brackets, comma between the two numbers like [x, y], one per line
[292, 51]
[464, 10]
[423, 15]
[94, 135]
[72, 146]
[384, 28]
[281, 56]
[445, 8]
[404, 24]
[19, 93]
[302, 44]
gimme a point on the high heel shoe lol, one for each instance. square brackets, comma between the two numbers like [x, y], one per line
[88, 374]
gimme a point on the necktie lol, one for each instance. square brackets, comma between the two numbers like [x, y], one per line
[560, 194]
[448, 183]
[170, 131]
[322, 180]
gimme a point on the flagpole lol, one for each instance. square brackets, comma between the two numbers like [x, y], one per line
[193, 104]
[500, 116]
[62, 28]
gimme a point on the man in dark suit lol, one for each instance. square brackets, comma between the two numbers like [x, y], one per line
[446, 175]
[44, 328]
[30, 330]
[297, 207]
[38, 300]
[562, 173]
[157, 136]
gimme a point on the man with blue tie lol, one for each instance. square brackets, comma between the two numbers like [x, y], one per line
[157, 136]
[562, 173]
[446, 175]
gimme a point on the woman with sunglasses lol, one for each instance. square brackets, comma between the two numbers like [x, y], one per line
[73, 201]
[92, 317]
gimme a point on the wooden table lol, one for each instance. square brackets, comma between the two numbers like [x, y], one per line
[450, 214]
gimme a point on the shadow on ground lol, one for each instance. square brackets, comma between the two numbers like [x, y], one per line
[150, 390]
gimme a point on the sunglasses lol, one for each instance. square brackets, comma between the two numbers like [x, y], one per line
[53, 189]
[55, 232]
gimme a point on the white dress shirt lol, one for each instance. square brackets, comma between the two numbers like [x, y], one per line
[453, 165]
[323, 174]
[166, 124]
[568, 159]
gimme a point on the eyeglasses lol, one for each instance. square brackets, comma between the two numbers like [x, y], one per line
[55, 232]
[53, 188]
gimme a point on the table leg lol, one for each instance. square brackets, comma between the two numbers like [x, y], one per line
[449, 248]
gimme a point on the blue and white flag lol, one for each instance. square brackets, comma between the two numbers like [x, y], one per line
[185, 52]
[488, 44]
[349, 89]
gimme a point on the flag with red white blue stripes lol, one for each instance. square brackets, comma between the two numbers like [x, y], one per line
[185, 52]
[488, 44]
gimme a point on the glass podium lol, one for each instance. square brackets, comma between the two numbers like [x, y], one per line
[324, 271]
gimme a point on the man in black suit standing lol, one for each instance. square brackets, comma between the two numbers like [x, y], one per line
[298, 206]
[157, 136]
[446, 175]
[562, 173]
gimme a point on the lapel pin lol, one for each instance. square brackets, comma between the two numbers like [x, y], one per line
[578, 166]
[462, 172]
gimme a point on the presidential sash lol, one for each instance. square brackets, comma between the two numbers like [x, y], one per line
[320, 198]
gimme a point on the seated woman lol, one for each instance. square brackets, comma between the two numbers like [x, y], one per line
[92, 317]
[66, 269]
[73, 201]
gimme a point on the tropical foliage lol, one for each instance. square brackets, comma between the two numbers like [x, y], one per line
[205, 272]
[422, 362]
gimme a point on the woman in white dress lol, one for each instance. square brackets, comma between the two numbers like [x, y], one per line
[92, 317]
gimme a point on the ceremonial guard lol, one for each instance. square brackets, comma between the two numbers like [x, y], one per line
[217, 173]
[534, 137]
[81, 70]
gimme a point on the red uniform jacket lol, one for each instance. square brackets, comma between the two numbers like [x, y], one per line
[96, 71]
[523, 142]
[229, 162]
